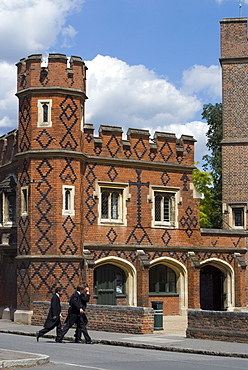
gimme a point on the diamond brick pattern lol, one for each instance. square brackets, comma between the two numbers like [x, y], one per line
[44, 206]
[112, 173]
[24, 123]
[166, 151]
[165, 178]
[188, 222]
[68, 246]
[44, 139]
[113, 146]
[33, 276]
[185, 180]
[24, 247]
[90, 200]
[68, 173]
[166, 237]
[69, 118]
[112, 235]
[140, 148]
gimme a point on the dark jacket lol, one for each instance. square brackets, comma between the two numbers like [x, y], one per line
[55, 310]
[75, 303]
[84, 299]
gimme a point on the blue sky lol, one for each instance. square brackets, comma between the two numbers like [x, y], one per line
[151, 63]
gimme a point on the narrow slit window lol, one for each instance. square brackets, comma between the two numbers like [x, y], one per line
[45, 112]
[24, 201]
[68, 201]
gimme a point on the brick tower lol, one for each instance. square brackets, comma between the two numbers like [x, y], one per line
[234, 62]
[51, 115]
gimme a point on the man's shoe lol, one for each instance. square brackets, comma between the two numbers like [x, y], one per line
[78, 341]
[37, 336]
[58, 341]
[89, 342]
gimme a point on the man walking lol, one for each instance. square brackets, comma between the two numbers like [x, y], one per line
[81, 327]
[53, 318]
[74, 314]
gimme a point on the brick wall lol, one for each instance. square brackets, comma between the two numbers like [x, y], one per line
[121, 319]
[170, 304]
[218, 325]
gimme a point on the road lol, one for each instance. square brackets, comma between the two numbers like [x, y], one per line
[73, 356]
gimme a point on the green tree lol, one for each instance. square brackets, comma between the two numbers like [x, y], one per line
[203, 181]
[213, 164]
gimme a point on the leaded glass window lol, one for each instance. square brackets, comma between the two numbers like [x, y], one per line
[162, 279]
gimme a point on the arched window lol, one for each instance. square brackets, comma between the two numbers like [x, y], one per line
[162, 280]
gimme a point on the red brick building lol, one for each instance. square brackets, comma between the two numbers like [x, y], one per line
[121, 213]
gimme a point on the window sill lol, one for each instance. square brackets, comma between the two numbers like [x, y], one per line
[163, 295]
[164, 226]
[114, 223]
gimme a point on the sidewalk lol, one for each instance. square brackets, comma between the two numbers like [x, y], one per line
[159, 340]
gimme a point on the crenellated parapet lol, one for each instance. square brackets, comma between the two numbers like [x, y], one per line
[57, 73]
[162, 147]
[8, 147]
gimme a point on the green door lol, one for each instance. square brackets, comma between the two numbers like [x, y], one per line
[107, 284]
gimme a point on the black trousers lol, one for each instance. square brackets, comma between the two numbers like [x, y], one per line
[70, 320]
[81, 329]
[56, 324]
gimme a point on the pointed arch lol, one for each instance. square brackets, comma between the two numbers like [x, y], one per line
[131, 275]
[182, 280]
[228, 284]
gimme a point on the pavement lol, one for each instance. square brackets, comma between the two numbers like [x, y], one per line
[173, 338]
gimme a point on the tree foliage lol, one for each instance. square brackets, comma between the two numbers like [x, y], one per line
[203, 181]
[209, 181]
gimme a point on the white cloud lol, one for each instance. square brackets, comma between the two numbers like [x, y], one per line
[8, 100]
[122, 95]
[200, 78]
[68, 34]
[197, 129]
[133, 96]
[32, 26]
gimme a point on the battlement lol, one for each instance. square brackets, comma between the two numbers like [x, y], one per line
[163, 147]
[234, 38]
[57, 73]
[8, 147]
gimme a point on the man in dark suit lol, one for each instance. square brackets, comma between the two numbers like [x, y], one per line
[74, 313]
[53, 318]
[81, 327]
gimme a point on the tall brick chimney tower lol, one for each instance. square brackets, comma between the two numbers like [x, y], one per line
[234, 62]
[51, 116]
